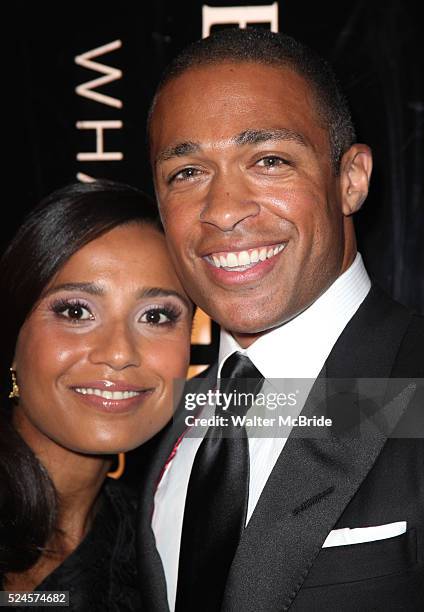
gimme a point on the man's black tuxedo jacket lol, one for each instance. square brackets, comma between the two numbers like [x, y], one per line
[320, 485]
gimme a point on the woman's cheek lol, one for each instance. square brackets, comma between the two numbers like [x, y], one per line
[169, 358]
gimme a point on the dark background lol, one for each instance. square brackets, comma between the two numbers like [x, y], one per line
[375, 47]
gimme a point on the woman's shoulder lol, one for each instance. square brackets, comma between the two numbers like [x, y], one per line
[101, 574]
[123, 500]
[118, 521]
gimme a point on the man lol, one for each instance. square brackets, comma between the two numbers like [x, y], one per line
[258, 174]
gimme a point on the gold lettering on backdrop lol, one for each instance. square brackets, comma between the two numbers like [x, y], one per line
[85, 178]
[89, 90]
[110, 74]
[239, 16]
[100, 154]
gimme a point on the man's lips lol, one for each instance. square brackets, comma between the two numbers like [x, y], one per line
[236, 275]
[244, 259]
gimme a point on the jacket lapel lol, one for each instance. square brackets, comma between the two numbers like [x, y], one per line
[314, 479]
[151, 573]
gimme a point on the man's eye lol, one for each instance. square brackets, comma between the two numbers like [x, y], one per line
[271, 161]
[184, 175]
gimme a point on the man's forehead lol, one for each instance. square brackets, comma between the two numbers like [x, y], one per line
[207, 88]
[209, 82]
[193, 110]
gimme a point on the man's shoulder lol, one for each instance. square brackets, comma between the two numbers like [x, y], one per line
[410, 355]
[410, 358]
[416, 326]
[381, 339]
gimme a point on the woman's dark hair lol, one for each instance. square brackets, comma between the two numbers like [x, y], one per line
[52, 232]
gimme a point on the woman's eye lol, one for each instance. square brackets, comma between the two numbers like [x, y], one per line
[184, 175]
[79, 312]
[73, 312]
[158, 316]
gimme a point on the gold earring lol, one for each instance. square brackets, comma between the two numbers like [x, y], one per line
[117, 473]
[15, 389]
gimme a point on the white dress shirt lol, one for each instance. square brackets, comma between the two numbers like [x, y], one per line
[297, 349]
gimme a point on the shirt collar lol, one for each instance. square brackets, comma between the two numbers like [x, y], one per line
[300, 347]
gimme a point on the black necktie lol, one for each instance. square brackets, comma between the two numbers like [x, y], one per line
[217, 495]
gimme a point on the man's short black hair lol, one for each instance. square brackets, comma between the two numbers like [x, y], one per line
[274, 49]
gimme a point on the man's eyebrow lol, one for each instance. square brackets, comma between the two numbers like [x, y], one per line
[90, 288]
[246, 137]
[275, 134]
[178, 150]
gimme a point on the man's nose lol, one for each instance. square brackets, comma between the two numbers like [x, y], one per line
[228, 202]
[117, 346]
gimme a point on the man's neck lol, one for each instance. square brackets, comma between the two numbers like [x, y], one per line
[299, 347]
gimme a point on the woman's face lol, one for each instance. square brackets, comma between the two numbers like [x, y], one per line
[97, 357]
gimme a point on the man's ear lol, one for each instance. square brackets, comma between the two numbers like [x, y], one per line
[355, 173]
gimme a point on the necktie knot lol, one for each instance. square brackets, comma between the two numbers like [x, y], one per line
[240, 382]
[238, 365]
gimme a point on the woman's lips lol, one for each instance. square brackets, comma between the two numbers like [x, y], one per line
[114, 397]
[108, 384]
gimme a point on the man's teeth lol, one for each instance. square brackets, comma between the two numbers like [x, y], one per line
[110, 395]
[245, 258]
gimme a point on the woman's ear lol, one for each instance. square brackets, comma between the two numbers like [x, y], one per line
[355, 171]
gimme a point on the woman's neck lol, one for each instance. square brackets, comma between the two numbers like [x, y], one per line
[77, 482]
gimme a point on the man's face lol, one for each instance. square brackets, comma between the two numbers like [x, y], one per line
[247, 193]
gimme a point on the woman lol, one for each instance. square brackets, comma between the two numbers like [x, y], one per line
[96, 328]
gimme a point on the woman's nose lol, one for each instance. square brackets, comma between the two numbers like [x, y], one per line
[117, 346]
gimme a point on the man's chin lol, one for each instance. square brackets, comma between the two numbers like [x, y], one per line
[251, 325]
[247, 316]
[249, 328]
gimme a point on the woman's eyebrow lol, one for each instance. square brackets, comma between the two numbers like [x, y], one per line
[95, 289]
[154, 292]
[91, 288]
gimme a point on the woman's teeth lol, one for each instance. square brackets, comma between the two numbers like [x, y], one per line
[110, 395]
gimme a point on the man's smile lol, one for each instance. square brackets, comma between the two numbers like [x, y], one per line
[243, 259]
